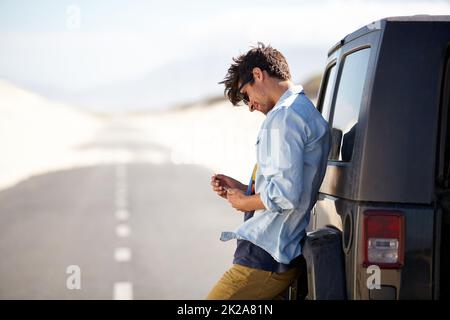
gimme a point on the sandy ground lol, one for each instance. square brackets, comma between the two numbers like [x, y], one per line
[37, 135]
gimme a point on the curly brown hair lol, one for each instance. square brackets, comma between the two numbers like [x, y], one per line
[264, 57]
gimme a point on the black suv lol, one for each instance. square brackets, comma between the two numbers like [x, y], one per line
[386, 194]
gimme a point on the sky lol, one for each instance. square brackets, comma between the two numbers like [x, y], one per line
[75, 46]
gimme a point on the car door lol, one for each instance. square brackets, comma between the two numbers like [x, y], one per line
[343, 101]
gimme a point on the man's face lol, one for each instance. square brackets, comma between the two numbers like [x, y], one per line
[256, 93]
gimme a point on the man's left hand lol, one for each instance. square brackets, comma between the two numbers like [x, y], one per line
[237, 199]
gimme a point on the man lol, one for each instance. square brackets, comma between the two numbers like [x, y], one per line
[292, 150]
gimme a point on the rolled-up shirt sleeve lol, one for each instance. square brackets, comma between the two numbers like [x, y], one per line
[280, 160]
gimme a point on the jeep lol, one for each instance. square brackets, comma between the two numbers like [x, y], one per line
[384, 204]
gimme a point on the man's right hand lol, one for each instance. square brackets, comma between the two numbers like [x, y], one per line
[220, 183]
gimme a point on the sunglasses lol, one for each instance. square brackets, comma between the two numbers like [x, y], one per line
[243, 96]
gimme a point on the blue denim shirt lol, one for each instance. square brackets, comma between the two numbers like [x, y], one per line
[250, 255]
[291, 151]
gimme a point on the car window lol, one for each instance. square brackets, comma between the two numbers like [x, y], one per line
[348, 103]
[328, 91]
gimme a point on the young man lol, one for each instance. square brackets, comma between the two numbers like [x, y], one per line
[292, 150]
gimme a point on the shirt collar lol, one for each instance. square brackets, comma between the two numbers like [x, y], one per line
[289, 92]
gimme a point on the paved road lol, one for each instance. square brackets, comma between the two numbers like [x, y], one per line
[135, 230]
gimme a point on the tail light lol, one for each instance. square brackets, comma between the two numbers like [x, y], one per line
[384, 238]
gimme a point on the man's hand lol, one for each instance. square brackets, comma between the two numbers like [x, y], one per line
[221, 183]
[241, 202]
[237, 199]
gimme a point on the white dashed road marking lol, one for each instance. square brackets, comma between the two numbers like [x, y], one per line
[122, 254]
[123, 230]
[123, 291]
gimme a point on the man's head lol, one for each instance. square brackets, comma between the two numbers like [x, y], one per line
[254, 77]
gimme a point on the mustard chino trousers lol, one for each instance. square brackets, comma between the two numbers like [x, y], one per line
[244, 283]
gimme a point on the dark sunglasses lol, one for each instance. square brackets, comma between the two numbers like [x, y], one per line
[244, 97]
